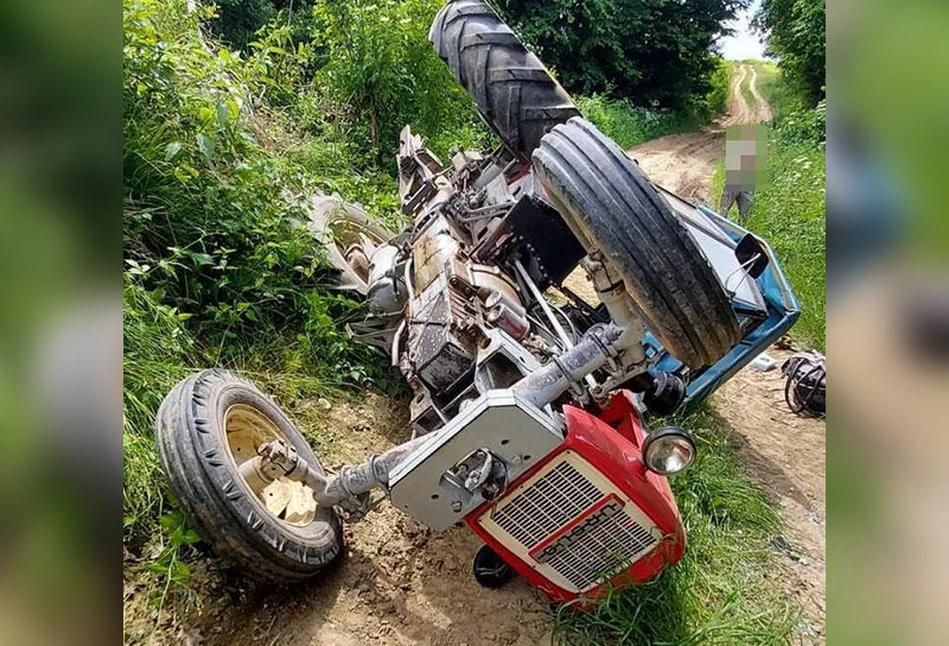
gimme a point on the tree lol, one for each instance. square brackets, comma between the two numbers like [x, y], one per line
[795, 33]
[649, 51]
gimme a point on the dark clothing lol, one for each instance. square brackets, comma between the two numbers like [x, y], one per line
[732, 194]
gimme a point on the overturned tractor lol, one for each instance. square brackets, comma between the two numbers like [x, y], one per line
[528, 396]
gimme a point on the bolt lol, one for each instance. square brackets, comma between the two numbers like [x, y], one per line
[456, 506]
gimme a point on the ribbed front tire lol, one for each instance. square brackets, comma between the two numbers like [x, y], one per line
[195, 429]
[591, 181]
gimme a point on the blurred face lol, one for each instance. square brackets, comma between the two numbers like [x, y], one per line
[745, 155]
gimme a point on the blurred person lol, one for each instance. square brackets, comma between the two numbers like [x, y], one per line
[744, 161]
[865, 206]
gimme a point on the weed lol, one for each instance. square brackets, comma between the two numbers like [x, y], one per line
[157, 355]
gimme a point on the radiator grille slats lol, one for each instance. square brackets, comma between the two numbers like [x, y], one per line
[552, 502]
[603, 551]
[555, 499]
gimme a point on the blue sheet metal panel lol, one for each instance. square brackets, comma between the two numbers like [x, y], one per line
[783, 311]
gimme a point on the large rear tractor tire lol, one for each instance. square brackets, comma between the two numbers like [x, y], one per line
[606, 196]
[207, 426]
[513, 90]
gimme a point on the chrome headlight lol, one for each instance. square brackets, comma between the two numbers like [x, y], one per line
[668, 450]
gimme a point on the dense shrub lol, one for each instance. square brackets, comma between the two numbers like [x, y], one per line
[208, 213]
[804, 126]
[238, 21]
[629, 125]
[652, 52]
[217, 270]
[380, 64]
[796, 32]
[716, 101]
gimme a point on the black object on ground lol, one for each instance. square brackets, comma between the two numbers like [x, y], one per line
[805, 390]
[490, 570]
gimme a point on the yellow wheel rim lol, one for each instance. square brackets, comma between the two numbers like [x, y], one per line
[287, 500]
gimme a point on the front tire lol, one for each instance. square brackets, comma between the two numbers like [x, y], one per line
[601, 191]
[206, 427]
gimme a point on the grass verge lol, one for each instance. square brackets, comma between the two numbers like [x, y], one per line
[788, 212]
[746, 92]
[723, 590]
[629, 125]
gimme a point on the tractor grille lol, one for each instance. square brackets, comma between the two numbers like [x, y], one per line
[549, 504]
[541, 521]
[603, 551]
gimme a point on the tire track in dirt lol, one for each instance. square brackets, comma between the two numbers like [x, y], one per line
[763, 112]
[738, 109]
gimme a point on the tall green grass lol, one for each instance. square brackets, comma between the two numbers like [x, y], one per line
[789, 213]
[720, 592]
[629, 125]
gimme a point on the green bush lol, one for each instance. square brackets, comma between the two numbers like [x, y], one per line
[217, 270]
[716, 101]
[796, 33]
[157, 354]
[380, 65]
[209, 215]
[650, 52]
[628, 125]
[804, 126]
[238, 21]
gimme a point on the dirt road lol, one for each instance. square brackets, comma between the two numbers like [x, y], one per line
[783, 452]
[685, 162]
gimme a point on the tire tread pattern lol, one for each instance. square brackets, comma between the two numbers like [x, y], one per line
[591, 180]
[194, 455]
[510, 85]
